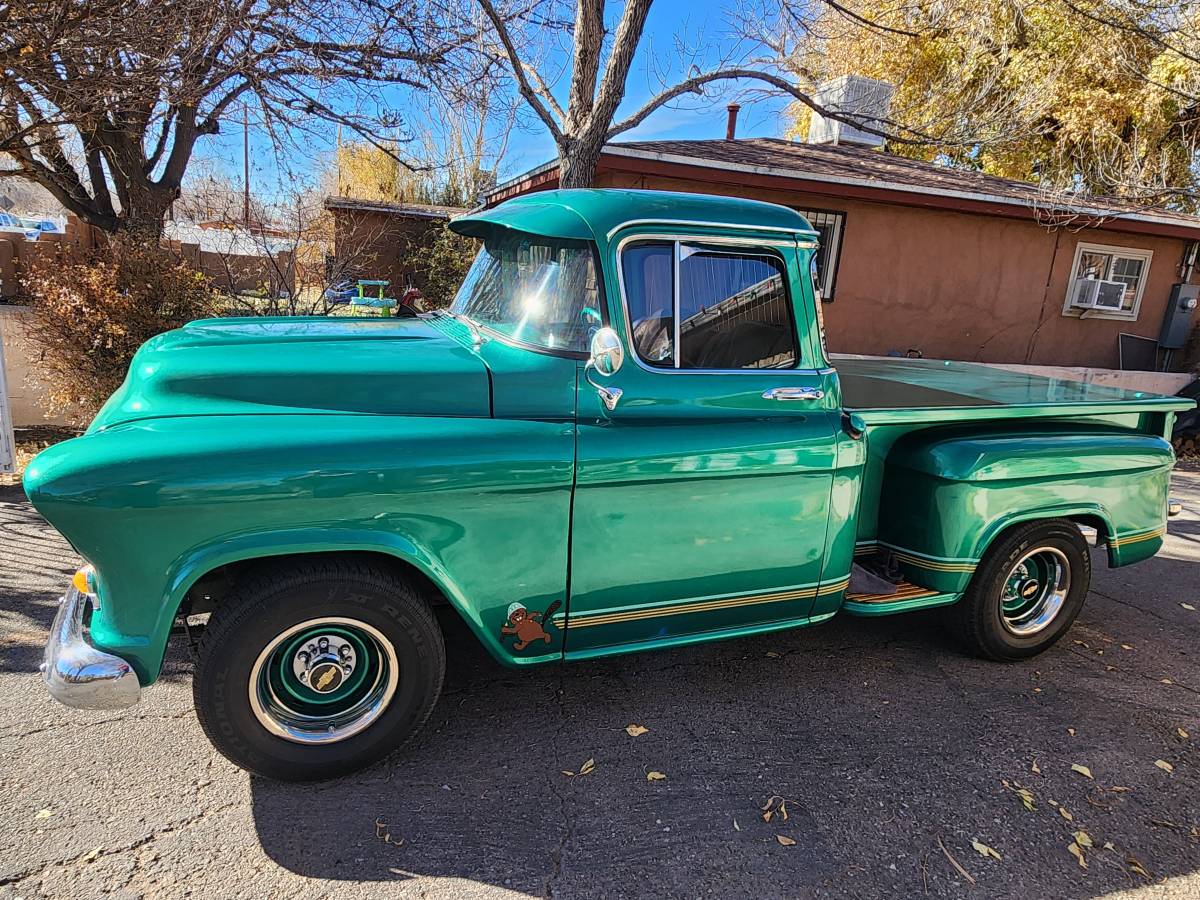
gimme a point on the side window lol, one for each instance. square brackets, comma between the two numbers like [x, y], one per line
[734, 311]
[733, 307]
[648, 272]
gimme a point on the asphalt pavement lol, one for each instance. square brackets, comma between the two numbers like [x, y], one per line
[889, 750]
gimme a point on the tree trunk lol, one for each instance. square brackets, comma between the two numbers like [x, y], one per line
[577, 162]
[147, 210]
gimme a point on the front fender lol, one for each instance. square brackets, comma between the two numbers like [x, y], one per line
[188, 570]
[481, 506]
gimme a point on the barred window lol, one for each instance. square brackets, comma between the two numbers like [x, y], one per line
[829, 227]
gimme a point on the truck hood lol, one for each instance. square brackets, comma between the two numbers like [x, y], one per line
[301, 364]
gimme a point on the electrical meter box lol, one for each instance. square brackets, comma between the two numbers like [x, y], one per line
[1177, 324]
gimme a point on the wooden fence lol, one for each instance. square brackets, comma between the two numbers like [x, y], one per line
[229, 271]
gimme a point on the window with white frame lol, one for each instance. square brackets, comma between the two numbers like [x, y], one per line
[829, 226]
[1099, 262]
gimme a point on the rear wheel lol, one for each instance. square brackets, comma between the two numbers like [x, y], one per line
[1026, 592]
[317, 670]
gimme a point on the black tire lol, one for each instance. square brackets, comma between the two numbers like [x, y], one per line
[276, 599]
[980, 620]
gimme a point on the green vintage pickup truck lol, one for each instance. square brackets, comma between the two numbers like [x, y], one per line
[624, 435]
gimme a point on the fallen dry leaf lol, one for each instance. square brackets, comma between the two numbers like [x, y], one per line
[1164, 765]
[1083, 839]
[1188, 607]
[1076, 851]
[92, 854]
[984, 850]
[1167, 681]
[785, 841]
[1034, 768]
[1071, 732]
[1137, 867]
[771, 654]
[382, 832]
[588, 767]
[635, 730]
[1082, 770]
[44, 814]
[1026, 798]
[1118, 789]
[1062, 811]
[770, 809]
[1126, 647]
[1108, 845]
[655, 776]
[1183, 734]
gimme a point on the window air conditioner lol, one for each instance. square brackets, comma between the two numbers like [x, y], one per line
[1092, 293]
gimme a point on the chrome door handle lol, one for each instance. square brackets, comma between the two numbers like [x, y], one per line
[793, 393]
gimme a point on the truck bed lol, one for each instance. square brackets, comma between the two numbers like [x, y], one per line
[893, 391]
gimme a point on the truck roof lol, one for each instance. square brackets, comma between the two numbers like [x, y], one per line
[598, 213]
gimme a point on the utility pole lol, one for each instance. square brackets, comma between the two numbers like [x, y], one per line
[339, 159]
[246, 164]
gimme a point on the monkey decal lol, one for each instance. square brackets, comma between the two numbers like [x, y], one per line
[528, 626]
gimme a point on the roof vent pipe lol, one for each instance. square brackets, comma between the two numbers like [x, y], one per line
[731, 124]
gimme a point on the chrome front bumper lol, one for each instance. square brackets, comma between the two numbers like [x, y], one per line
[75, 672]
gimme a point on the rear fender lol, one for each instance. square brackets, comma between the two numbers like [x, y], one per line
[948, 493]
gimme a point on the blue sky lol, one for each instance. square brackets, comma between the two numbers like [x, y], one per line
[700, 26]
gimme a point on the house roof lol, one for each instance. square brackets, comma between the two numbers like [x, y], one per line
[400, 210]
[589, 213]
[848, 171]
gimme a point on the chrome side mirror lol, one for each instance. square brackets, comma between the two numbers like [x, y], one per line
[607, 352]
[606, 358]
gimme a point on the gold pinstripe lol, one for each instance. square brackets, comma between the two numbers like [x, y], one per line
[1137, 538]
[915, 559]
[933, 565]
[652, 612]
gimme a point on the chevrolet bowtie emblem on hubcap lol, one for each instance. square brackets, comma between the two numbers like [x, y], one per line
[326, 677]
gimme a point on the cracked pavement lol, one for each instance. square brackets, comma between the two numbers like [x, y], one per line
[886, 741]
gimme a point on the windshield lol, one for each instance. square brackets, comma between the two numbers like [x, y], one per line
[536, 290]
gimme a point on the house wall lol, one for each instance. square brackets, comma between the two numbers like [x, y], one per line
[20, 357]
[959, 285]
[380, 245]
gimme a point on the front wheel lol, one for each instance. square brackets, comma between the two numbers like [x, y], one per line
[317, 670]
[1026, 592]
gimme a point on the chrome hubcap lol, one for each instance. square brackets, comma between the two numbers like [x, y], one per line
[324, 663]
[323, 680]
[1035, 591]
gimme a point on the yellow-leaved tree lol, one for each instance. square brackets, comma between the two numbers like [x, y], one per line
[1097, 97]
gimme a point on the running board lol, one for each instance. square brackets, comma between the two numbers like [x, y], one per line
[908, 596]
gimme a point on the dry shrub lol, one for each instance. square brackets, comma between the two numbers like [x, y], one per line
[90, 317]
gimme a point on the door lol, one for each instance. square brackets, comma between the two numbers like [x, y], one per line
[702, 499]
